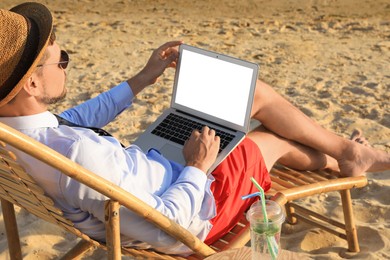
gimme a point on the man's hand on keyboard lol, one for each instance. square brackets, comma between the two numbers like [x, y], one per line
[201, 149]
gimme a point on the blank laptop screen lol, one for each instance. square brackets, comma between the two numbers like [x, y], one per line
[214, 86]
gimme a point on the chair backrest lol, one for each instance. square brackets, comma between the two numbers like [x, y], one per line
[17, 187]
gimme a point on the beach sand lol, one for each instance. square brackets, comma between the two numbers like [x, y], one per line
[328, 57]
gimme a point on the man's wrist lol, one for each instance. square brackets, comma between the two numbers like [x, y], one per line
[200, 166]
[138, 83]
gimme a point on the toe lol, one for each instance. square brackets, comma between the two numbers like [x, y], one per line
[357, 133]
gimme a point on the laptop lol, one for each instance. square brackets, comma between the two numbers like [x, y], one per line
[209, 89]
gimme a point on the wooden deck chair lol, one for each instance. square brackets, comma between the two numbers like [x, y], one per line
[18, 188]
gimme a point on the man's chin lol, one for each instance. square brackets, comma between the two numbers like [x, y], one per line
[61, 98]
[54, 100]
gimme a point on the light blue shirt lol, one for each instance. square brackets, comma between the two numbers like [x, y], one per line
[180, 193]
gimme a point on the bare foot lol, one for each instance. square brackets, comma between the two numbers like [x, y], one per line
[356, 136]
[360, 157]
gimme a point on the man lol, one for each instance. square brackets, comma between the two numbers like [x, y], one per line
[33, 77]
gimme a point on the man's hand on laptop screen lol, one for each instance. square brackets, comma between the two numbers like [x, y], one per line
[201, 149]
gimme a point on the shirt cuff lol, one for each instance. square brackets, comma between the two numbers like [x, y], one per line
[122, 92]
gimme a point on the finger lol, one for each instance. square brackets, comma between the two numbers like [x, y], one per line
[212, 132]
[170, 51]
[168, 57]
[172, 65]
[205, 130]
[170, 44]
[172, 58]
[194, 134]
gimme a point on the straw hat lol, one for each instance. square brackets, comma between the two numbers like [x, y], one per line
[24, 34]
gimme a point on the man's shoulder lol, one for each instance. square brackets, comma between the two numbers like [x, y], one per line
[60, 139]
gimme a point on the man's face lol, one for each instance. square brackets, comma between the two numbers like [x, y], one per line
[52, 77]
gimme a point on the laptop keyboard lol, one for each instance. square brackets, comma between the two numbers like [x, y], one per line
[178, 129]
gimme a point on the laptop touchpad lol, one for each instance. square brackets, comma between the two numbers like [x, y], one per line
[173, 153]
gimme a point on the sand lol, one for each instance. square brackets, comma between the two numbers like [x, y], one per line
[328, 57]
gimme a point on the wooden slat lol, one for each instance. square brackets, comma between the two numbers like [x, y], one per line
[330, 174]
[313, 176]
[229, 236]
[15, 179]
[237, 239]
[39, 206]
[275, 187]
[12, 188]
[5, 153]
[45, 216]
[23, 192]
[236, 229]
[219, 244]
[39, 198]
[26, 201]
[19, 170]
[10, 162]
[45, 212]
[293, 178]
[306, 179]
[285, 184]
[18, 181]
[5, 195]
[215, 248]
[10, 199]
[318, 175]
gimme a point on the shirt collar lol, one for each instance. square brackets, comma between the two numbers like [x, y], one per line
[45, 119]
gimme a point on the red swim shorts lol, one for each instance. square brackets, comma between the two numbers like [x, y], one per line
[232, 180]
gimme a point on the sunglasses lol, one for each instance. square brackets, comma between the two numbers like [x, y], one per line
[64, 60]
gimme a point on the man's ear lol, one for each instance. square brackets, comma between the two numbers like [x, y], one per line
[33, 85]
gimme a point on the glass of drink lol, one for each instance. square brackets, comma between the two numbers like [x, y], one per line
[265, 236]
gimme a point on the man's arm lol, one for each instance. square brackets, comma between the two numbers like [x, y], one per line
[180, 200]
[101, 110]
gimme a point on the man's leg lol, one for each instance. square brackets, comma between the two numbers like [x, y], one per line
[281, 117]
[275, 148]
[232, 180]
